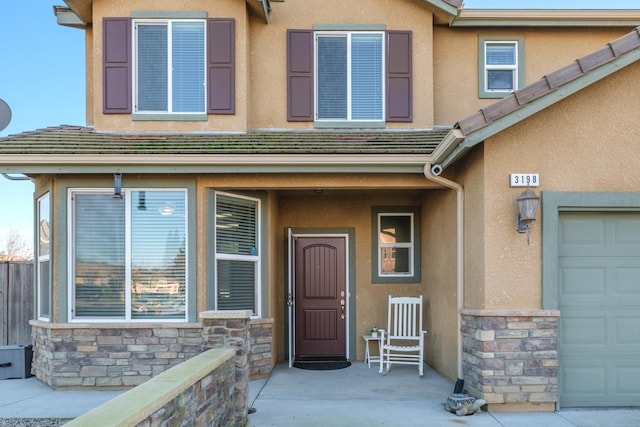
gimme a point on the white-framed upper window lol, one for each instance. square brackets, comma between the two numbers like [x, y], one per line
[501, 63]
[237, 252]
[43, 255]
[395, 244]
[501, 66]
[169, 66]
[349, 83]
[128, 258]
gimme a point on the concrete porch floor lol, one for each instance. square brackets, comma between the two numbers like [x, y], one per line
[360, 396]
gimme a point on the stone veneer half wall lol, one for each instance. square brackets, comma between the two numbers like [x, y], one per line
[510, 358]
[122, 355]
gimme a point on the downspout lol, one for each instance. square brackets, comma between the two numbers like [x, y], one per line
[432, 172]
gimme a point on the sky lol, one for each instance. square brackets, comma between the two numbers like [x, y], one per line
[42, 81]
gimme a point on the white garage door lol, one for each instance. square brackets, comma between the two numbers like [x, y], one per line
[599, 302]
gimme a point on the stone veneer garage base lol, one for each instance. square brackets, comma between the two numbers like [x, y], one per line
[510, 358]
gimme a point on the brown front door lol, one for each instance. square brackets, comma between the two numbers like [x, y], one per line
[320, 296]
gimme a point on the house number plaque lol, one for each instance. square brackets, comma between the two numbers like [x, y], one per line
[524, 180]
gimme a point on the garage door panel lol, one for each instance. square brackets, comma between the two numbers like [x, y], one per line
[627, 379]
[584, 331]
[626, 281]
[627, 332]
[599, 302]
[582, 231]
[585, 380]
[626, 230]
[582, 281]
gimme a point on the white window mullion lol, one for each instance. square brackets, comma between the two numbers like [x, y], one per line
[349, 71]
[170, 66]
[127, 258]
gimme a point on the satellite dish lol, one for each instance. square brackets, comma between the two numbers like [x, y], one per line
[5, 115]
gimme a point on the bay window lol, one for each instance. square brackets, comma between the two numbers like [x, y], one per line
[128, 255]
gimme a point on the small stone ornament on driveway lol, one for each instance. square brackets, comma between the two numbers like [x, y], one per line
[463, 404]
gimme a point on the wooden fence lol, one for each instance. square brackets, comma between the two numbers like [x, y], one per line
[16, 302]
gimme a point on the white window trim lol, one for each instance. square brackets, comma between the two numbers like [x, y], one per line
[257, 259]
[348, 34]
[43, 258]
[410, 245]
[134, 50]
[71, 259]
[513, 67]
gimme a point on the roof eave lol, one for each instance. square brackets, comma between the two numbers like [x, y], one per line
[547, 18]
[65, 17]
[473, 138]
[215, 163]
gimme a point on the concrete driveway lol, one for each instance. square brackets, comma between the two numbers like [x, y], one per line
[360, 396]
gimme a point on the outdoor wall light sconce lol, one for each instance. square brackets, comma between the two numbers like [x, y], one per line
[528, 202]
[117, 186]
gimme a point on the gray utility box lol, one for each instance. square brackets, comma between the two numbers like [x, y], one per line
[15, 361]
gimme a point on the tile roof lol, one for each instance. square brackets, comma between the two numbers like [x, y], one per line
[79, 140]
[550, 83]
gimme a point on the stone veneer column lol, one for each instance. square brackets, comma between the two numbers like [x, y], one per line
[261, 358]
[510, 358]
[231, 329]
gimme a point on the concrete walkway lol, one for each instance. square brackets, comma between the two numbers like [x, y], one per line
[360, 396]
[354, 396]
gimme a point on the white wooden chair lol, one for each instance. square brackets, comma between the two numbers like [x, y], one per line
[403, 340]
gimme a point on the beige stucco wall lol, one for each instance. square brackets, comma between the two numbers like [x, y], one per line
[587, 142]
[268, 104]
[350, 210]
[261, 59]
[546, 49]
[124, 8]
[439, 273]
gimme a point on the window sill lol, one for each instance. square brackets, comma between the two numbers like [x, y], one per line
[349, 125]
[494, 95]
[198, 117]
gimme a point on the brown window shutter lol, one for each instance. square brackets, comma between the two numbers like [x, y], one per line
[300, 76]
[221, 66]
[399, 77]
[116, 70]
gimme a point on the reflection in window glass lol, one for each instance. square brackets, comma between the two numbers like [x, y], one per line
[501, 66]
[42, 256]
[395, 240]
[130, 255]
[99, 261]
[158, 254]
